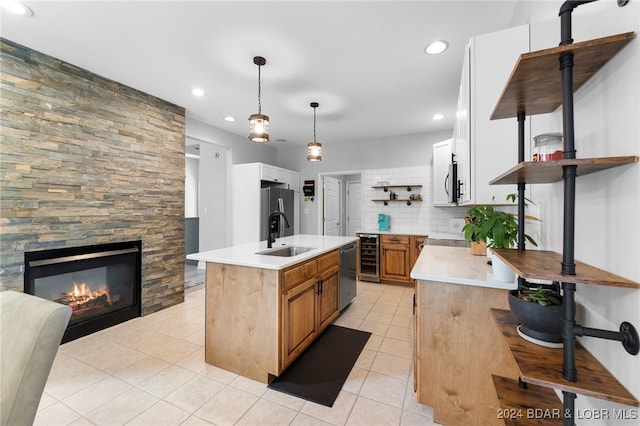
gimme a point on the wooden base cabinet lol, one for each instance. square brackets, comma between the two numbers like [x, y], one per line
[310, 302]
[398, 254]
[299, 325]
[394, 258]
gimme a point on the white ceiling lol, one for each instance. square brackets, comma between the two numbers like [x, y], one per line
[363, 61]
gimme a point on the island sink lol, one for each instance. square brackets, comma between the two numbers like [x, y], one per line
[285, 251]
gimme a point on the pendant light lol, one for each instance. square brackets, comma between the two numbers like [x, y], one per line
[259, 123]
[314, 149]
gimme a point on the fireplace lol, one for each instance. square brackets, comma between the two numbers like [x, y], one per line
[101, 283]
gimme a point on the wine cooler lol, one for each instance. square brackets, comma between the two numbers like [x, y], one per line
[369, 261]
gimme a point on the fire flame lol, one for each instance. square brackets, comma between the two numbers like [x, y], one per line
[82, 294]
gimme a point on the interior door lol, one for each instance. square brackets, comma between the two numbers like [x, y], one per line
[354, 208]
[331, 205]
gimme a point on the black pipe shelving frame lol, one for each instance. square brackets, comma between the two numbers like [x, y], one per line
[627, 334]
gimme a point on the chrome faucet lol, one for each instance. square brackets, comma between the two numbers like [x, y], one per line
[271, 226]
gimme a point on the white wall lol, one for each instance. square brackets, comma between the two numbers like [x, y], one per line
[349, 157]
[418, 218]
[214, 197]
[607, 117]
[243, 150]
[191, 187]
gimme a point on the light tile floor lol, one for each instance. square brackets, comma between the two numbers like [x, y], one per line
[151, 371]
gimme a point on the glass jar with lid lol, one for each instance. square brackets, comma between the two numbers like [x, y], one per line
[547, 146]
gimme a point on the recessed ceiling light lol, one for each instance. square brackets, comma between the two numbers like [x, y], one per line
[229, 118]
[16, 7]
[437, 117]
[196, 91]
[436, 47]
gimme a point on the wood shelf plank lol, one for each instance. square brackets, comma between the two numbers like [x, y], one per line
[396, 186]
[551, 171]
[535, 405]
[543, 366]
[397, 199]
[546, 265]
[533, 87]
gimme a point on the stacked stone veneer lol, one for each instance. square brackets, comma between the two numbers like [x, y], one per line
[85, 160]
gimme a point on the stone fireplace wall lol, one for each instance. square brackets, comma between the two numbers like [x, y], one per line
[86, 160]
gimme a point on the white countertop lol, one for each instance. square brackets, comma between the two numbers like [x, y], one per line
[375, 231]
[437, 235]
[245, 254]
[456, 265]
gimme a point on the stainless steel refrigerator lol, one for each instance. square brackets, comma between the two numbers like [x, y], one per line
[274, 199]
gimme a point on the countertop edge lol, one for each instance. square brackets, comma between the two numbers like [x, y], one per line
[456, 265]
[245, 254]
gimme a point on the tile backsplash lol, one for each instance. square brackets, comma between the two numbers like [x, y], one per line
[421, 217]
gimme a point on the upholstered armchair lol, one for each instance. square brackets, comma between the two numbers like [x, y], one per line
[31, 330]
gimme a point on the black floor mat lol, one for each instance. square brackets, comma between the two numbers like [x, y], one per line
[319, 373]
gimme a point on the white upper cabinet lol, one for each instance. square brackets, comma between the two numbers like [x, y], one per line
[279, 175]
[293, 180]
[267, 172]
[276, 174]
[461, 137]
[483, 146]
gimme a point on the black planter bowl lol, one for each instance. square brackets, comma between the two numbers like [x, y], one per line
[543, 323]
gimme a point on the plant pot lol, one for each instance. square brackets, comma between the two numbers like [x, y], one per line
[478, 248]
[502, 271]
[542, 323]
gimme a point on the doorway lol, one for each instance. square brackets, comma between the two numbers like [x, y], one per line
[331, 190]
[348, 219]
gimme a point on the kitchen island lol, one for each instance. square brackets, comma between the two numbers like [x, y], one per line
[457, 344]
[262, 308]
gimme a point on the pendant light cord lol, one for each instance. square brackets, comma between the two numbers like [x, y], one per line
[259, 90]
[314, 124]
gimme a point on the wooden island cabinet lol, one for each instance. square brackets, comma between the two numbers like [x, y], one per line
[263, 311]
[457, 346]
[310, 299]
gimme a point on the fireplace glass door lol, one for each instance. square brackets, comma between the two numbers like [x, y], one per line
[101, 284]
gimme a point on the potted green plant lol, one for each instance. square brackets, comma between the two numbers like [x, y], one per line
[498, 229]
[538, 309]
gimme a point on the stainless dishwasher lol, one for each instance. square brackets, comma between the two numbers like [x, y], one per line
[347, 274]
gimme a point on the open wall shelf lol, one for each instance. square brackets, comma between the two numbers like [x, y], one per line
[546, 265]
[535, 405]
[407, 187]
[542, 366]
[408, 201]
[534, 88]
[551, 171]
